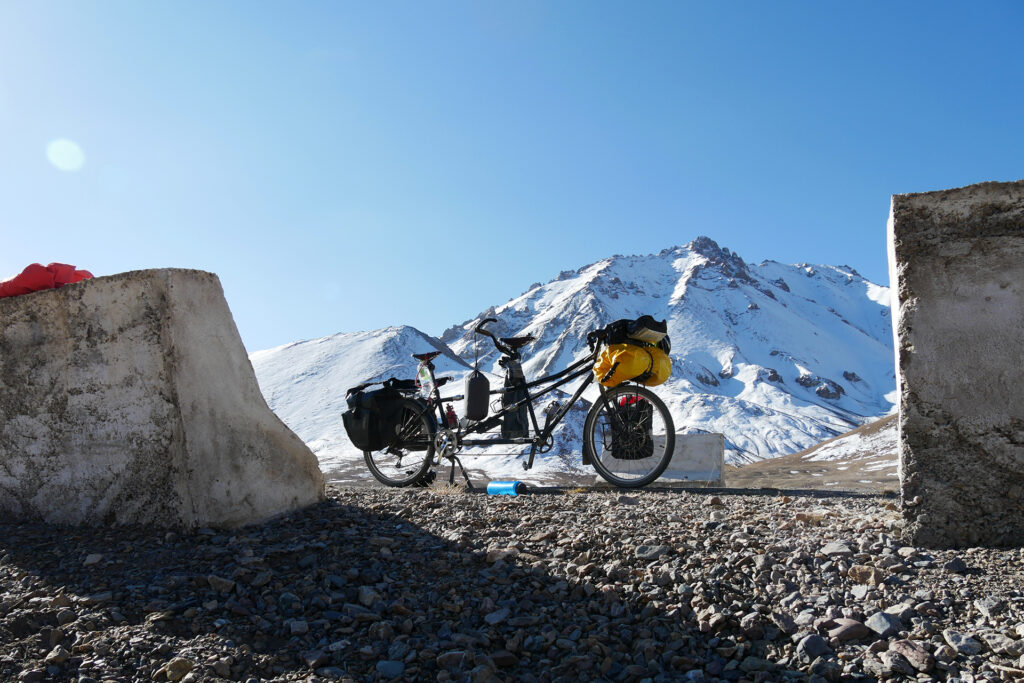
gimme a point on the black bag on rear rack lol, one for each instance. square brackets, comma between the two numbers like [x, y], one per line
[635, 441]
[642, 330]
[373, 417]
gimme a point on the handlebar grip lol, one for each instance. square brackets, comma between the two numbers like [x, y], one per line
[480, 325]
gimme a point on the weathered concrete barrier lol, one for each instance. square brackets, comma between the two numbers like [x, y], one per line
[956, 261]
[130, 400]
[699, 459]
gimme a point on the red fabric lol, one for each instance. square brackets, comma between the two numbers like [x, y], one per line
[37, 277]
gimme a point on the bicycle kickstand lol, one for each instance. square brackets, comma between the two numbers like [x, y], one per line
[451, 473]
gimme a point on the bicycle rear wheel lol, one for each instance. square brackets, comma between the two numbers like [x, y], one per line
[630, 438]
[408, 460]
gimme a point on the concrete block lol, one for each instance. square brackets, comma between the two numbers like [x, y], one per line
[956, 261]
[699, 459]
[130, 400]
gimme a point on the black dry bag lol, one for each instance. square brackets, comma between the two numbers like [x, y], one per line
[478, 390]
[515, 424]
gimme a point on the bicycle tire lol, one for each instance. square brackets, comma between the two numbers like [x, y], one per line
[632, 468]
[415, 444]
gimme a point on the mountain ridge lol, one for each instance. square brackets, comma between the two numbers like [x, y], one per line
[777, 357]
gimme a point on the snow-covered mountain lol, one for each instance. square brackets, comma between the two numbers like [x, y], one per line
[777, 357]
[863, 459]
[305, 382]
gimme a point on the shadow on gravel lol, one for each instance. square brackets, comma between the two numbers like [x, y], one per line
[341, 590]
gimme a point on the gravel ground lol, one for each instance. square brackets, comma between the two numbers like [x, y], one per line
[441, 585]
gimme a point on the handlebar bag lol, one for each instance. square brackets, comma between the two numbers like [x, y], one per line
[620, 363]
[373, 418]
[632, 432]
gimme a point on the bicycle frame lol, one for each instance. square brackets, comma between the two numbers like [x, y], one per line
[541, 434]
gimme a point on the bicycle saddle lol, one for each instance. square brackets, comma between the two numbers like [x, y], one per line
[429, 355]
[516, 343]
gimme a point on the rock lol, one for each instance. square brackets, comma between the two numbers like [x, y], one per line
[220, 585]
[96, 599]
[498, 616]
[902, 611]
[497, 554]
[368, 596]
[315, 659]
[165, 425]
[453, 659]
[504, 658]
[860, 592]
[57, 656]
[651, 552]
[990, 606]
[94, 558]
[883, 624]
[849, 629]
[66, 616]
[915, 653]
[333, 673]
[955, 566]
[627, 500]
[897, 663]
[298, 627]
[961, 642]
[867, 575]
[784, 622]
[1003, 645]
[811, 647]
[752, 626]
[752, 663]
[390, 669]
[177, 668]
[837, 548]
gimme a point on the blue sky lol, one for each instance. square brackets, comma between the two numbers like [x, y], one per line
[346, 166]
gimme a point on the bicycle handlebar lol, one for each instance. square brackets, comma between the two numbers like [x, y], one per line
[479, 329]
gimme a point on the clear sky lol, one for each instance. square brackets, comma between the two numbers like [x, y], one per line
[351, 165]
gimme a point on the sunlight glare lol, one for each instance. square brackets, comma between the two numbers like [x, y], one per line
[65, 155]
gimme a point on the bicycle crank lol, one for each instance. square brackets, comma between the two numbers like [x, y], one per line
[446, 443]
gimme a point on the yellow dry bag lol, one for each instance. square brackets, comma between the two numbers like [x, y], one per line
[619, 363]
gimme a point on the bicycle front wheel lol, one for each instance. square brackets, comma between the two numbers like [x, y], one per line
[629, 437]
[408, 460]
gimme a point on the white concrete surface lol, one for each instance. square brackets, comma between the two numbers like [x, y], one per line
[957, 265]
[698, 459]
[130, 400]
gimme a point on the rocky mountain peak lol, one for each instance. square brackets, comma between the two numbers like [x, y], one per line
[772, 356]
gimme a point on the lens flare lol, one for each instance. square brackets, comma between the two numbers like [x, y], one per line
[65, 155]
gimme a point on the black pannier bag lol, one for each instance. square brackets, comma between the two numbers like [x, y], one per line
[373, 417]
[515, 424]
[632, 432]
